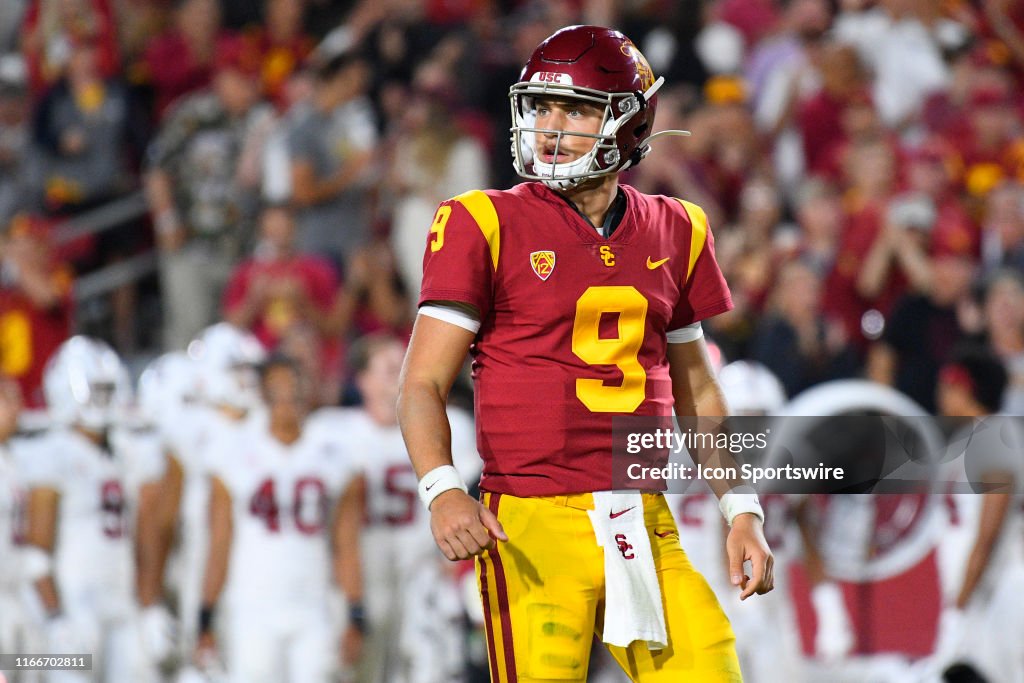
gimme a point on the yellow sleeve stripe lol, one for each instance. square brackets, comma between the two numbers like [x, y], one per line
[481, 208]
[698, 233]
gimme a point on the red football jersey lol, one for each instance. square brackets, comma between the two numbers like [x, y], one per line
[572, 324]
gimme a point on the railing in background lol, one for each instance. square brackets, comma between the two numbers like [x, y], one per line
[100, 282]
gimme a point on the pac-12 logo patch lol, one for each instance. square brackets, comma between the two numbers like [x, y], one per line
[543, 263]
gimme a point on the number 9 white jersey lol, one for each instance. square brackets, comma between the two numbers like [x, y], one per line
[93, 559]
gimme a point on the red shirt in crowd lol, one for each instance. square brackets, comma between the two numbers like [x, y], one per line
[44, 31]
[312, 274]
[29, 334]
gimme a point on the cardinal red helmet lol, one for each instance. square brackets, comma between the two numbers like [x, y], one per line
[599, 66]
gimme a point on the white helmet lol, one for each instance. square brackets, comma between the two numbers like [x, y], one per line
[751, 389]
[226, 358]
[167, 383]
[86, 384]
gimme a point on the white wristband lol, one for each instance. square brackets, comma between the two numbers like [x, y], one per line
[738, 501]
[437, 481]
[35, 563]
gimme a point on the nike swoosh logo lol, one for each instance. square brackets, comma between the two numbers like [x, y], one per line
[664, 534]
[652, 265]
[431, 486]
[613, 515]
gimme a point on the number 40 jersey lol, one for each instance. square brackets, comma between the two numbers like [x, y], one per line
[283, 498]
[573, 324]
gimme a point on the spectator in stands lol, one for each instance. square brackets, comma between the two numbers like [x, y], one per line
[35, 304]
[278, 288]
[283, 46]
[1004, 323]
[16, 163]
[781, 73]
[819, 215]
[796, 340]
[746, 253]
[432, 161]
[924, 325]
[894, 40]
[181, 60]
[203, 188]
[84, 127]
[871, 174]
[52, 27]
[992, 148]
[11, 14]
[331, 146]
[1002, 240]
[819, 118]
[672, 167]
[373, 297]
[927, 213]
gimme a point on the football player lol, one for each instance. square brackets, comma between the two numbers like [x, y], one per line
[193, 397]
[581, 300]
[93, 484]
[768, 650]
[396, 539]
[285, 510]
[981, 550]
[12, 503]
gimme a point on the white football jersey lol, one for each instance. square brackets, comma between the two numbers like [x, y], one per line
[198, 427]
[396, 541]
[975, 450]
[282, 498]
[12, 518]
[395, 516]
[93, 557]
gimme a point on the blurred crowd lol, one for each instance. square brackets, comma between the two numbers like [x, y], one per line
[861, 163]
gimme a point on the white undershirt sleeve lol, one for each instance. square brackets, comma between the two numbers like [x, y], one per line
[452, 312]
[684, 335]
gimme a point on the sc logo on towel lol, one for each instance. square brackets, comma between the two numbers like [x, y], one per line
[624, 547]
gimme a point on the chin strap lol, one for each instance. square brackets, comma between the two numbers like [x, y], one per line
[644, 148]
[679, 133]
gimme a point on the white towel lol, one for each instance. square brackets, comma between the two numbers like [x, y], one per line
[632, 596]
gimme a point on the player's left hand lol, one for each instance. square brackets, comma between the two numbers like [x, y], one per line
[746, 543]
[158, 631]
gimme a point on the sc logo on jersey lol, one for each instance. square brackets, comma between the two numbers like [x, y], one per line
[607, 255]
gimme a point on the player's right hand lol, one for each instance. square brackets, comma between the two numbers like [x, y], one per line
[463, 527]
[205, 656]
[66, 634]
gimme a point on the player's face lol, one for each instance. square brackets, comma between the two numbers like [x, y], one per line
[285, 394]
[10, 406]
[571, 116]
[954, 400]
[379, 382]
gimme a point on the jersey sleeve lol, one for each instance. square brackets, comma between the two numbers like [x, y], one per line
[704, 292]
[462, 252]
[39, 463]
[216, 456]
[148, 459]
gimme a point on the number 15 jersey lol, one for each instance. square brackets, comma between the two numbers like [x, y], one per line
[573, 324]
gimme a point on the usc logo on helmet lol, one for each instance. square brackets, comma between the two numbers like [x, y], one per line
[643, 69]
